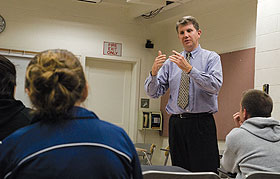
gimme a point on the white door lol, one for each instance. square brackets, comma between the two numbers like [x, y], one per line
[109, 90]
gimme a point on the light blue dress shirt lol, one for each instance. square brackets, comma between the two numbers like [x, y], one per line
[206, 79]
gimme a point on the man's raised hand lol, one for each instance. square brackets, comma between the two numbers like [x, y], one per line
[180, 61]
[159, 60]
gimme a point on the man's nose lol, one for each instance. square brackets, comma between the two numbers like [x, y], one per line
[186, 34]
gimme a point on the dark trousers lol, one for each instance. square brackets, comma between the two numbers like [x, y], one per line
[193, 142]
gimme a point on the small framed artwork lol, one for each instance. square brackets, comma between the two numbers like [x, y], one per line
[145, 103]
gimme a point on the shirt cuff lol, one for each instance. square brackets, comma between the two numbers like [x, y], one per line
[193, 72]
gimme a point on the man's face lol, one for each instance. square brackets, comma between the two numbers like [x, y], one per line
[188, 36]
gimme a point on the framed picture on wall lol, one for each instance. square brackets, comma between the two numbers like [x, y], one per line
[145, 103]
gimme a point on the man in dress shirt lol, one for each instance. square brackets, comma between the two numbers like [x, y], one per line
[192, 130]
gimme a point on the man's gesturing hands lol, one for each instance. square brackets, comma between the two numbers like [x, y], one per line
[180, 61]
[177, 58]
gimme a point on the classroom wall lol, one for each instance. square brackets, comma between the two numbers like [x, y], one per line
[226, 25]
[37, 25]
[268, 50]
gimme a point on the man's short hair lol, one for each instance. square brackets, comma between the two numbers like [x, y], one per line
[257, 103]
[7, 78]
[186, 20]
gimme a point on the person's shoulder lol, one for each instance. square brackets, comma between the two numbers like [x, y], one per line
[27, 113]
[206, 50]
[210, 52]
[114, 131]
[111, 127]
[96, 121]
[236, 134]
[18, 134]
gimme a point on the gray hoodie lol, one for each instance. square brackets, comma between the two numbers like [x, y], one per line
[255, 146]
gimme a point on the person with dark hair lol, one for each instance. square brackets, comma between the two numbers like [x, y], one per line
[67, 141]
[13, 113]
[254, 145]
[194, 78]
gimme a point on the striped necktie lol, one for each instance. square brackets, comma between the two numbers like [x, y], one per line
[183, 96]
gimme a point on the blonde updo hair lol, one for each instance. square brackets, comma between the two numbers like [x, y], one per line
[55, 81]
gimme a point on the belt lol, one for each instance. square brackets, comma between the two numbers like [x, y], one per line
[186, 115]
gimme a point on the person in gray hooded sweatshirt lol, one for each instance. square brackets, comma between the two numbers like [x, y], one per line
[255, 144]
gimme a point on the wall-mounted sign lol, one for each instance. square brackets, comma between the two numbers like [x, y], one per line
[112, 48]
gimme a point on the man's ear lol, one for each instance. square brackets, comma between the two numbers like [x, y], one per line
[199, 32]
[245, 114]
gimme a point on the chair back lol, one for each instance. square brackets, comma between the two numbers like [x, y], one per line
[166, 154]
[145, 152]
[263, 175]
[166, 172]
[179, 175]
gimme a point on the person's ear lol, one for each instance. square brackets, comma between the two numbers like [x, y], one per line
[245, 114]
[199, 33]
[85, 92]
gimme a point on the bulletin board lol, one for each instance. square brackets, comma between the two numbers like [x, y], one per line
[238, 75]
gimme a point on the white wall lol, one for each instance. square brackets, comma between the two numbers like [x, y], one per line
[37, 25]
[226, 25]
[267, 66]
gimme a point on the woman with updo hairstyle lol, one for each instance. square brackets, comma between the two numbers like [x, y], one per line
[67, 141]
[55, 81]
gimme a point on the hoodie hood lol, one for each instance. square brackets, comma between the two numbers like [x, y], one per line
[264, 128]
[8, 109]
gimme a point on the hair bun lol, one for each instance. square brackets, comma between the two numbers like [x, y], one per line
[66, 78]
[56, 81]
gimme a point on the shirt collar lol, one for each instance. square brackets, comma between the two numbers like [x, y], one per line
[194, 52]
[78, 112]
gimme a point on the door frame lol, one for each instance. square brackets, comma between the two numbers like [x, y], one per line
[135, 83]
